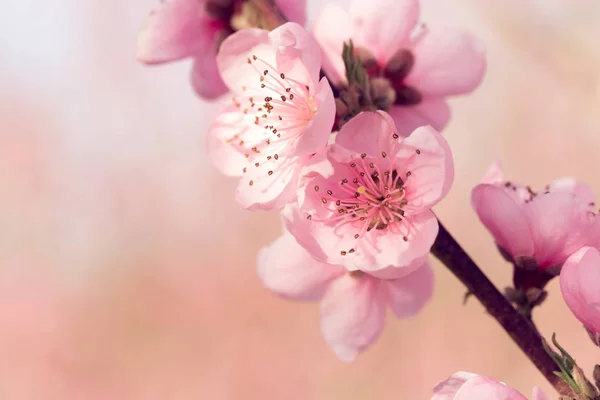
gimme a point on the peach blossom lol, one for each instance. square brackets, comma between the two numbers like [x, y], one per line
[365, 201]
[280, 114]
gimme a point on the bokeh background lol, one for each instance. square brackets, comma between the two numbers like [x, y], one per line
[127, 271]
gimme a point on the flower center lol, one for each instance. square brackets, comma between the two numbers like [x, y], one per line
[368, 198]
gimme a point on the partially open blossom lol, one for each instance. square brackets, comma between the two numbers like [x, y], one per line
[423, 66]
[468, 386]
[580, 286]
[279, 115]
[365, 201]
[178, 29]
[536, 229]
[353, 304]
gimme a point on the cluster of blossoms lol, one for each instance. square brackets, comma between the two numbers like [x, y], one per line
[339, 130]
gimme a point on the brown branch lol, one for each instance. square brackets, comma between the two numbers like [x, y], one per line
[522, 332]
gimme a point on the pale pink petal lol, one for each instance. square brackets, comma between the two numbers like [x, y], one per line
[431, 111]
[447, 389]
[352, 315]
[428, 158]
[538, 394]
[298, 53]
[294, 10]
[369, 132]
[408, 295]
[331, 30]
[259, 190]
[446, 63]
[392, 256]
[176, 29]
[287, 269]
[384, 26]
[205, 77]
[232, 59]
[504, 217]
[494, 174]
[316, 135]
[570, 185]
[480, 387]
[560, 225]
[223, 141]
[301, 228]
[579, 283]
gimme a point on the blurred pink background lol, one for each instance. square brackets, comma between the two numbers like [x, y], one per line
[128, 272]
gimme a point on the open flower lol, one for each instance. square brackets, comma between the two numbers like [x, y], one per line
[579, 283]
[279, 116]
[536, 229]
[178, 29]
[468, 386]
[365, 201]
[353, 304]
[423, 66]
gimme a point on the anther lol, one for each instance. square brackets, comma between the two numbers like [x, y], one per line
[418, 151]
[251, 183]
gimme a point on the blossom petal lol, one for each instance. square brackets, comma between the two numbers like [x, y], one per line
[352, 315]
[294, 10]
[393, 257]
[429, 161]
[494, 174]
[331, 30]
[431, 111]
[560, 224]
[570, 185]
[176, 29]
[447, 389]
[287, 269]
[369, 132]
[408, 295]
[447, 62]
[316, 135]
[384, 26]
[579, 282]
[504, 218]
[224, 137]
[270, 185]
[234, 53]
[205, 77]
[480, 387]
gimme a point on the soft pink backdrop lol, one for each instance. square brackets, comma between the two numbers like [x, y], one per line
[127, 270]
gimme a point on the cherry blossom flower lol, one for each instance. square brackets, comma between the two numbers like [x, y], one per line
[468, 386]
[424, 67]
[579, 283]
[178, 29]
[353, 304]
[365, 201]
[536, 229]
[279, 116]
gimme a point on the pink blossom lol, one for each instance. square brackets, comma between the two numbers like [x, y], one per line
[579, 283]
[468, 386]
[178, 29]
[279, 116]
[365, 201]
[353, 304]
[539, 229]
[423, 66]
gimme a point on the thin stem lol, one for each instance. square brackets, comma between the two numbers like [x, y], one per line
[522, 332]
